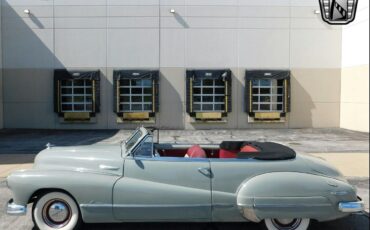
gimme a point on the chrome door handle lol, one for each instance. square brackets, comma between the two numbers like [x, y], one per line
[205, 171]
[108, 167]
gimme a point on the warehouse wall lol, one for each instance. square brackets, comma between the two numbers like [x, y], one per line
[116, 34]
[355, 74]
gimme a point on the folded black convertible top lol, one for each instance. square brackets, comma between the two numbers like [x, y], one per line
[266, 150]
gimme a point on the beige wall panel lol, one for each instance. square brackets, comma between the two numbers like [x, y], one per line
[172, 98]
[314, 115]
[355, 116]
[355, 98]
[316, 85]
[315, 98]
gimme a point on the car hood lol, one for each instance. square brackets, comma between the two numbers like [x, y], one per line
[94, 159]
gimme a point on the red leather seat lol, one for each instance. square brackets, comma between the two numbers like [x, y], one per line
[249, 149]
[228, 153]
[196, 152]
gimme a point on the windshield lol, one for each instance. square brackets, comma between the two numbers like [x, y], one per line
[133, 139]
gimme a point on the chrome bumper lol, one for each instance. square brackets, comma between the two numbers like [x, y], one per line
[15, 209]
[352, 207]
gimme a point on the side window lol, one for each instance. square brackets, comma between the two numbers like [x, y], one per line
[145, 149]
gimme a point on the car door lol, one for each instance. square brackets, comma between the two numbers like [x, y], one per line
[163, 189]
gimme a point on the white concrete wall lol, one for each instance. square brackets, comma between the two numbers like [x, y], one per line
[355, 73]
[110, 34]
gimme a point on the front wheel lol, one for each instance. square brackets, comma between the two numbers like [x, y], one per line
[56, 210]
[287, 224]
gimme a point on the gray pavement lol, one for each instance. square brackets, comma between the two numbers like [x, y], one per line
[354, 222]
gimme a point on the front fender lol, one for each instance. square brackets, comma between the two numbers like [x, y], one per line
[293, 195]
[86, 188]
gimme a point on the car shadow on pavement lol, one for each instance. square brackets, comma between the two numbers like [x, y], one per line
[7, 159]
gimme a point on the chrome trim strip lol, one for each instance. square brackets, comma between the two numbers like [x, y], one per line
[109, 167]
[339, 193]
[351, 207]
[172, 159]
[15, 209]
[162, 205]
[290, 205]
[89, 171]
[145, 206]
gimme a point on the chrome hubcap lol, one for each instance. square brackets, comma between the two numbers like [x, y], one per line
[286, 224]
[56, 213]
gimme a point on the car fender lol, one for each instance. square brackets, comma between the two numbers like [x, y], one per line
[293, 195]
[86, 188]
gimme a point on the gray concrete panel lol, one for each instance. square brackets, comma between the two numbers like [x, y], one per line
[133, 48]
[28, 85]
[26, 48]
[211, 48]
[28, 115]
[76, 48]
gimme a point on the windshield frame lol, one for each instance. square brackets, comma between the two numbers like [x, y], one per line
[144, 133]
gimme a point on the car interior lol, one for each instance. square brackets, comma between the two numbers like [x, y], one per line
[228, 150]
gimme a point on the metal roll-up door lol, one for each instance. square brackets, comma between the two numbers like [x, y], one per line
[61, 75]
[197, 81]
[132, 75]
[275, 77]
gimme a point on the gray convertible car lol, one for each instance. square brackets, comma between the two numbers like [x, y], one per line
[143, 181]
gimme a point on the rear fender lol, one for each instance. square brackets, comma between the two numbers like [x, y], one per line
[293, 195]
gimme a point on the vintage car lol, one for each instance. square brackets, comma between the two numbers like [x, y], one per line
[143, 181]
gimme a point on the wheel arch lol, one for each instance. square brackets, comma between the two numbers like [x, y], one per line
[42, 191]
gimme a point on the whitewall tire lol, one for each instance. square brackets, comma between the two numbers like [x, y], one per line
[56, 210]
[287, 224]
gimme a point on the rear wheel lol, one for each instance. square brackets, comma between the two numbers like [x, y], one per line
[287, 224]
[56, 210]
